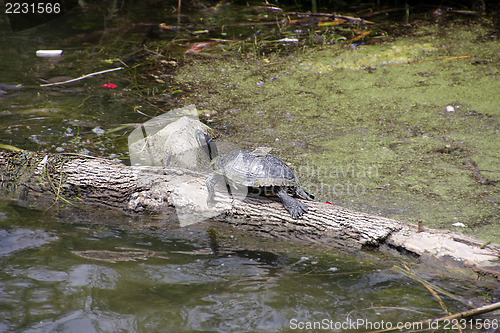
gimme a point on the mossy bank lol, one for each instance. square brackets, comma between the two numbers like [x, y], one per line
[407, 128]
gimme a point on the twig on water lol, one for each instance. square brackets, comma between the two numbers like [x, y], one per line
[465, 314]
[348, 18]
[301, 19]
[426, 283]
[419, 325]
[81, 77]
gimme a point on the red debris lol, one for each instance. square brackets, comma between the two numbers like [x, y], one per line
[163, 26]
[198, 47]
[109, 85]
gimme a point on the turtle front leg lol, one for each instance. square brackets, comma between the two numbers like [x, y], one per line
[299, 191]
[294, 206]
[211, 181]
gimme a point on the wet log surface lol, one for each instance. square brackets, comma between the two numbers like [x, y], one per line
[174, 192]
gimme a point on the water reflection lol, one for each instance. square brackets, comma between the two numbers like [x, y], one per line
[178, 283]
[19, 238]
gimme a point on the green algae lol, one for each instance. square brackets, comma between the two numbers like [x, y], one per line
[360, 57]
[399, 140]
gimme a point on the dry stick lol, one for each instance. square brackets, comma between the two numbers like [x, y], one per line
[251, 24]
[217, 27]
[348, 18]
[426, 283]
[436, 296]
[460, 315]
[282, 21]
[385, 11]
[433, 289]
[81, 77]
[441, 303]
[179, 4]
[430, 288]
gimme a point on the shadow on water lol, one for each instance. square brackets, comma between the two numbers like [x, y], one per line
[77, 273]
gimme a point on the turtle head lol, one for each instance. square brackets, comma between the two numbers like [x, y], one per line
[207, 143]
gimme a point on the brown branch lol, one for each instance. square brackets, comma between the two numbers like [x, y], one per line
[344, 17]
[182, 193]
[305, 18]
[385, 11]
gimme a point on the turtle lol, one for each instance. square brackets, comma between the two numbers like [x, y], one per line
[259, 170]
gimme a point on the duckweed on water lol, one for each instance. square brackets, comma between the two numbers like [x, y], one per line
[373, 136]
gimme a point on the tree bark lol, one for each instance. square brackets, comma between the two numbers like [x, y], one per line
[71, 179]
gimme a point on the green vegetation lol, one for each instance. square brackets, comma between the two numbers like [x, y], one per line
[391, 129]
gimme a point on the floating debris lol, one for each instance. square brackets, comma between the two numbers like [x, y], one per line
[197, 47]
[289, 40]
[48, 53]
[109, 85]
[98, 130]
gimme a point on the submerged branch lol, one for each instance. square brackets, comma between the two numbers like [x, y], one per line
[343, 17]
[460, 315]
[82, 77]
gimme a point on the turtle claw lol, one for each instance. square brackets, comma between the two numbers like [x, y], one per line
[297, 210]
[294, 206]
[299, 191]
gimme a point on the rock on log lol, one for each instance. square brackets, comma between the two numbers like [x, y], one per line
[74, 178]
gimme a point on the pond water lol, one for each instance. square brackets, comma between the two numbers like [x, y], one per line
[60, 276]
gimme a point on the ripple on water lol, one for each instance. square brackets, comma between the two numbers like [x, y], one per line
[82, 321]
[94, 276]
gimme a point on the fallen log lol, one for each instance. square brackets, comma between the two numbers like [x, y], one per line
[77, 179]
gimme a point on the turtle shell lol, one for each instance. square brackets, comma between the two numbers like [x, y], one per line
[248, 169]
